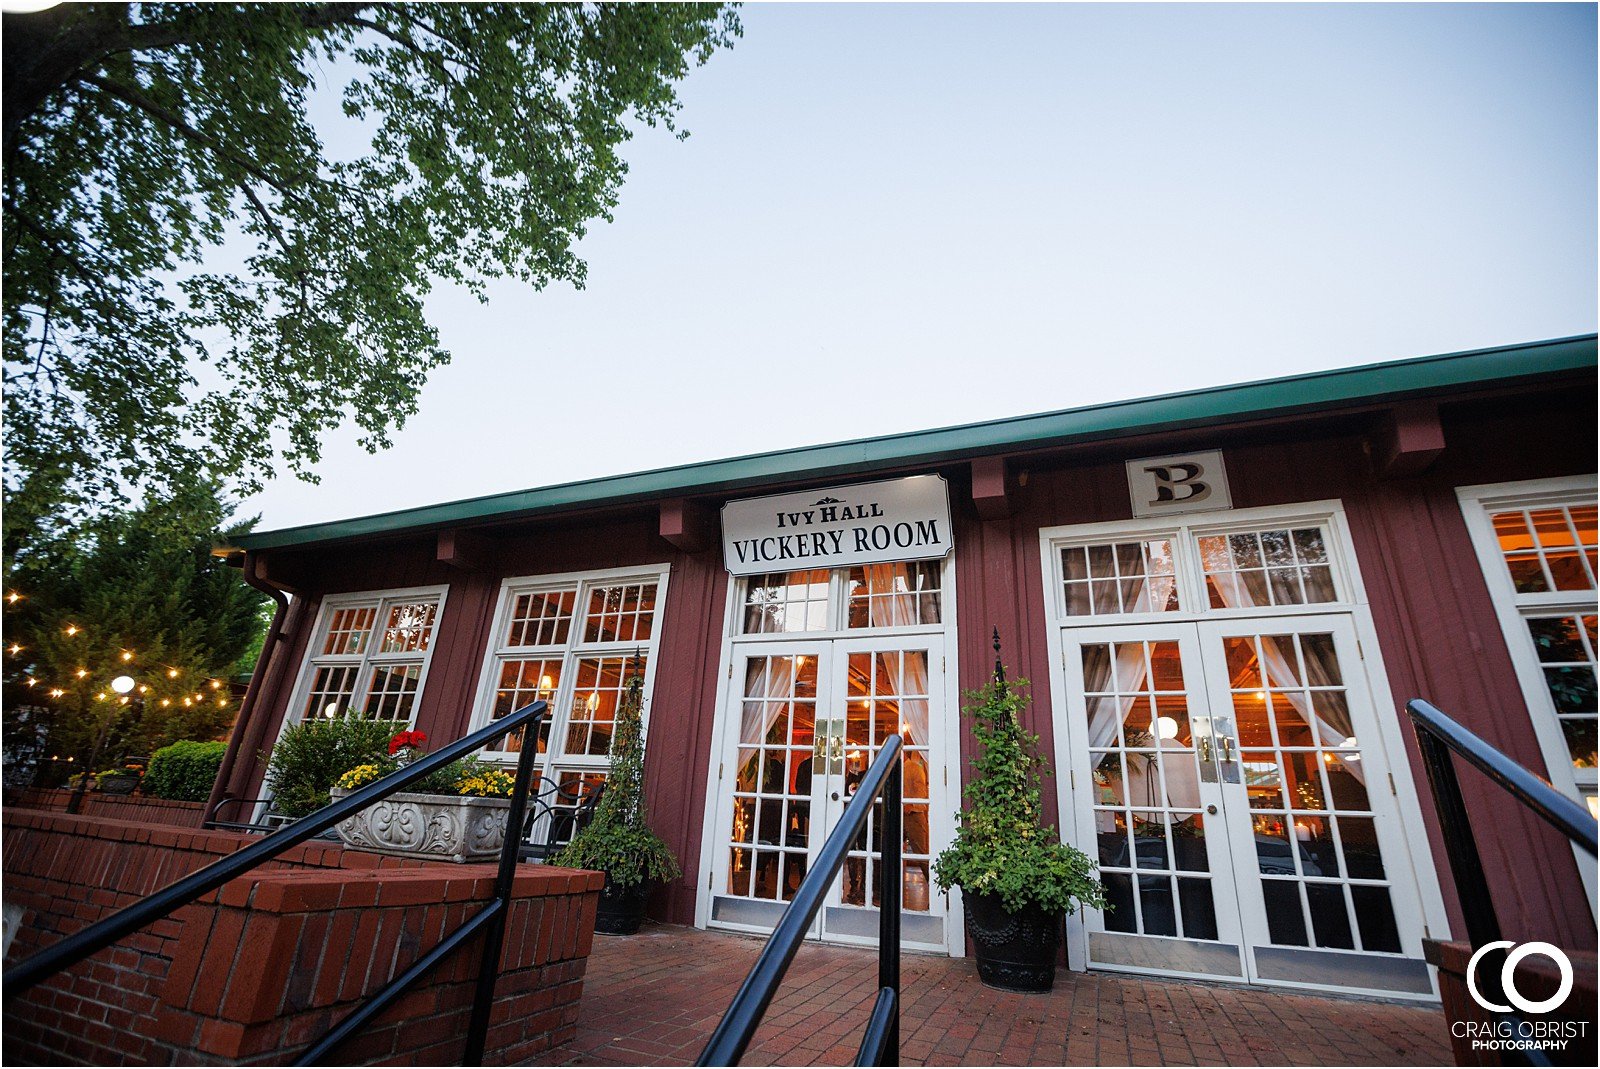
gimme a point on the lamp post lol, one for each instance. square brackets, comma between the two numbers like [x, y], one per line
[122, 685]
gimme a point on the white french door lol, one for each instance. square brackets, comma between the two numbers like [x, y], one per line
[1240, 804]
[804, 721]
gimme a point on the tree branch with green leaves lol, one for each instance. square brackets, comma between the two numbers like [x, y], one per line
[197, 283]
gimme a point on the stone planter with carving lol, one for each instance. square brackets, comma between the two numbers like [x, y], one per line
[436, 827]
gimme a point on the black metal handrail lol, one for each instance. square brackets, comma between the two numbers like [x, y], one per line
[881, 1044]
[490, 919]
[1439, 737]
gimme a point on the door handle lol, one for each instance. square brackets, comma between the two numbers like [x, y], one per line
[1226, 742]
[1204, 743]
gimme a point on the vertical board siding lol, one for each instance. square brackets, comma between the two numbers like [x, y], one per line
[1437, 630]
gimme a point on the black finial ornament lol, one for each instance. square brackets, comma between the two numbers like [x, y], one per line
[999, 669]
[633, 663]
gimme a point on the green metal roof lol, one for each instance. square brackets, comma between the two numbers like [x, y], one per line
[1370, 383]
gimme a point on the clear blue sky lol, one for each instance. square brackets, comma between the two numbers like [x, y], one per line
[893, 217]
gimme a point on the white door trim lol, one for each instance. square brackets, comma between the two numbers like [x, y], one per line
[952, 776]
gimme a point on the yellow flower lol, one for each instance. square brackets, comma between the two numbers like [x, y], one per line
[359, 776]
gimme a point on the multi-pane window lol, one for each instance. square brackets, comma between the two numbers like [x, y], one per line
[1269, 567]
[1548, 549]
[1536, 542]
[574, 642]
[897, 594]
[1119, 577]
[1544, 550]
[370, 655]
[785, 602]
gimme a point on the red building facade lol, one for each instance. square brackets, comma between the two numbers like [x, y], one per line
[1222, 600]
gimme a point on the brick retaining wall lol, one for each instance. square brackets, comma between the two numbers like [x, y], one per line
[115, 806]
[264, 965]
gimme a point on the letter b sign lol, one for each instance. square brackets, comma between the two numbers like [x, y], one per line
[1192, 482]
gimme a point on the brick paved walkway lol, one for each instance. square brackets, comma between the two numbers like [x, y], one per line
[653, 999]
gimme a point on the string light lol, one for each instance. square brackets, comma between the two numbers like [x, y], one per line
[14, 649]
[215, 684]
[165, 703]
[72, 629]
[172, 673]
[100, 697]
[32, 682]
[57, 692]
[127, 655]
[80, 673]
[13, 597]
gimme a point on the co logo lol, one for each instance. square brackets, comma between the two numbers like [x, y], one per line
[1508, 979]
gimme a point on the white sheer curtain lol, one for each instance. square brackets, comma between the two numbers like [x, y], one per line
[766, 696]
[1278, 666]
[899, 609]
[1105, 714]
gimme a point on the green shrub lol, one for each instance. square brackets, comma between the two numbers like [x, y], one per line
[311, 756]
[184, 771]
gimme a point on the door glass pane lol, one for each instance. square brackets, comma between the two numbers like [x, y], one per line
[1146, 787]
[770, 825]
[886, 695]
[1311, 816]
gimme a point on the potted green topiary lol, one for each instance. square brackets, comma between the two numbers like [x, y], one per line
[1017, 878]
[618, 840]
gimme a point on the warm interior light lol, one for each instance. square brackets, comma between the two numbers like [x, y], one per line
[1165, 727]
[122, 684]
[592, 702]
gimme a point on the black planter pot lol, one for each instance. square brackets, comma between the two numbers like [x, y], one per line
[621, 908]
[1016, 951]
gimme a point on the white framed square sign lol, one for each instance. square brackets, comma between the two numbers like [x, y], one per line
[1185, 482]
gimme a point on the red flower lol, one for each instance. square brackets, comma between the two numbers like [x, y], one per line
[413, 739]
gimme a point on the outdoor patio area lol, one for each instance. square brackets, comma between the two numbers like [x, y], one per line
[653, 999]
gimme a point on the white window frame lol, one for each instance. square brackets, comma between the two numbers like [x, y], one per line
[1196, 608]
[381, 599]
[1478, 506]
[555, 760]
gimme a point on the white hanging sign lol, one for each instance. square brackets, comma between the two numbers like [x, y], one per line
[868, 523]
